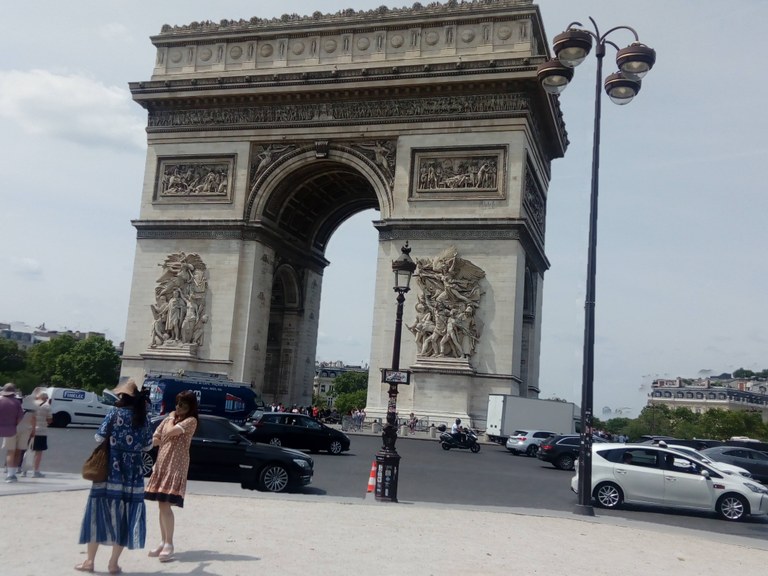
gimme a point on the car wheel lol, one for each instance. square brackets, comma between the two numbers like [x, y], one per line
[445, 445]
[147, 462]
[732, 507]
[273, 478]
[335, 447]
[532, 449]
[275, 441]
[475, 448]
[608, 495]
[61, 420]
[565, 462]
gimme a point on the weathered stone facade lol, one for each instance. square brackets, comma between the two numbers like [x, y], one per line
[264, 135]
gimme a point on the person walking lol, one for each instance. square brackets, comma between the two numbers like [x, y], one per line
[42, 419]
[25, 432]
[168, 483]
[10, 416]
[115, 513]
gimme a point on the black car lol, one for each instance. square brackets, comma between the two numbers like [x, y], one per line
[297, 431]
[562, 451]
[220, 452]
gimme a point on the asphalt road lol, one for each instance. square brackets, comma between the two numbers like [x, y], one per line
[493, 477]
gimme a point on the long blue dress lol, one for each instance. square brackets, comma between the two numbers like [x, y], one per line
[115, 513]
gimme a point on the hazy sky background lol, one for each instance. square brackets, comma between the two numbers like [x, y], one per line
[681, 272]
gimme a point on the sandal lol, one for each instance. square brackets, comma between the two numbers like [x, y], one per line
[85, 566]
[167, 554]
[154, 553]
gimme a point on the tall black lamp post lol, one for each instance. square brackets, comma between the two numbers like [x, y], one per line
[571, 49]
[387, 459]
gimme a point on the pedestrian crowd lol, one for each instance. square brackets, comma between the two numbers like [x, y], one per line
[24, 429]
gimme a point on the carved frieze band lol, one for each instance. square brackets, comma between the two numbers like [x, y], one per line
[194, 179]
[458, 173]
[450, 234]
[349, 112]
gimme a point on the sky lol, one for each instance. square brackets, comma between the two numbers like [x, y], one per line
[681, 276]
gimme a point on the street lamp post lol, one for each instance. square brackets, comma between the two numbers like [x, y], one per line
[387, 459]
[571, 49]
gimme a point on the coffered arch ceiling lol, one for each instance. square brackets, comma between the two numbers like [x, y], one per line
[314, 200]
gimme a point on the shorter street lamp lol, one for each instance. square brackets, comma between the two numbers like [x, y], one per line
[387, 459]
[635, 61]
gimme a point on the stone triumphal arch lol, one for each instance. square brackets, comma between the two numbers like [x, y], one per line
[265, 135]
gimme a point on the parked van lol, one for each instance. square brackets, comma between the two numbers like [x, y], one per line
[216, 394]
[75, 406]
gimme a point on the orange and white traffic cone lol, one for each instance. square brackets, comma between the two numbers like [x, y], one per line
[372, 478]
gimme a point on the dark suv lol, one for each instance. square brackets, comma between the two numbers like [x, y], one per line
[562, 451]
[297, 431]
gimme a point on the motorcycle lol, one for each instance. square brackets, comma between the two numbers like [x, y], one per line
[468, 441]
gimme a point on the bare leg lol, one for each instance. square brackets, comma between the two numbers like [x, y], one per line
[87, 564]
[38, 458]
[167, 522]
[113, 566]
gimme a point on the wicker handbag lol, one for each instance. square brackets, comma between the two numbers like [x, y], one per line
[96, 467]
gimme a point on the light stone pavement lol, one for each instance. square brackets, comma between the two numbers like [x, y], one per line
[315, 535]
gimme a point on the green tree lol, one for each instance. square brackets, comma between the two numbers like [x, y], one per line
[12, 359]
[350, 382]
[350, 400]
[616, 425]
[91, 364]
[43, 358]
[742, 373]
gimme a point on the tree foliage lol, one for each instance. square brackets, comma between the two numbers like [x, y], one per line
[350, 382]
[12, 359]
[91, 364]
[715, 424]
[348, 401]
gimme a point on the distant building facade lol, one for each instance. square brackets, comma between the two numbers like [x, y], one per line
[26, 336]
[702, 394]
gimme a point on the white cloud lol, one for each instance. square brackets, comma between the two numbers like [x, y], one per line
[29, 268]
[71, 107]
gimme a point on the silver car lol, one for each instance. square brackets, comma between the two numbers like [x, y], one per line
[527, 441]
[652, 475]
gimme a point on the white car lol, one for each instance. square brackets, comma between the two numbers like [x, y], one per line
[657, 476]
[527, 441]
[724, 466]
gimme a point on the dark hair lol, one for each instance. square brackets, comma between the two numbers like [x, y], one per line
[188, 398]
[137, 404]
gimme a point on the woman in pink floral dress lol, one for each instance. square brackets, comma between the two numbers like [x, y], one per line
[168, 482]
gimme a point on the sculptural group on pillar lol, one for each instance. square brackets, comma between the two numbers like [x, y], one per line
[179, 310]
[445, 325]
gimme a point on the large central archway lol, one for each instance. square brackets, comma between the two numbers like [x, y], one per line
[264, 136]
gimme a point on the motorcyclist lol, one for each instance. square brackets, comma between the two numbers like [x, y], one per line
[457, 431]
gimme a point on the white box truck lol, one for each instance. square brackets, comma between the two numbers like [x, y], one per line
[507, 413]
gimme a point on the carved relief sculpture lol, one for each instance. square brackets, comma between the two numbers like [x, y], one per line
[457, 173]
[383, 154]
[445, 325]
[179, 309]
[194, 180]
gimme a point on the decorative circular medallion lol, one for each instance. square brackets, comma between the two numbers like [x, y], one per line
[432, 38]
[467, 36]
[397, 41]
[363, 43]
[330, 46]
[175, 56]
[235, 52]
[266, 50]
[297, 47]
[504, 33]
[206, 54]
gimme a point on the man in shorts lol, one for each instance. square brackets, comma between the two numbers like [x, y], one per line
[10, 416]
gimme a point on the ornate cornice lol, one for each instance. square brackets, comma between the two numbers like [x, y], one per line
[348, 17]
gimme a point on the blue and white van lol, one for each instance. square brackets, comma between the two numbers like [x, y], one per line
[215, 394]
[75, 406]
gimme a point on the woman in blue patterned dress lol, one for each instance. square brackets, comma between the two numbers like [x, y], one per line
[115, 514]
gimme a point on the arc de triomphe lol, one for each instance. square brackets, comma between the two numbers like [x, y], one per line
[265, 135]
